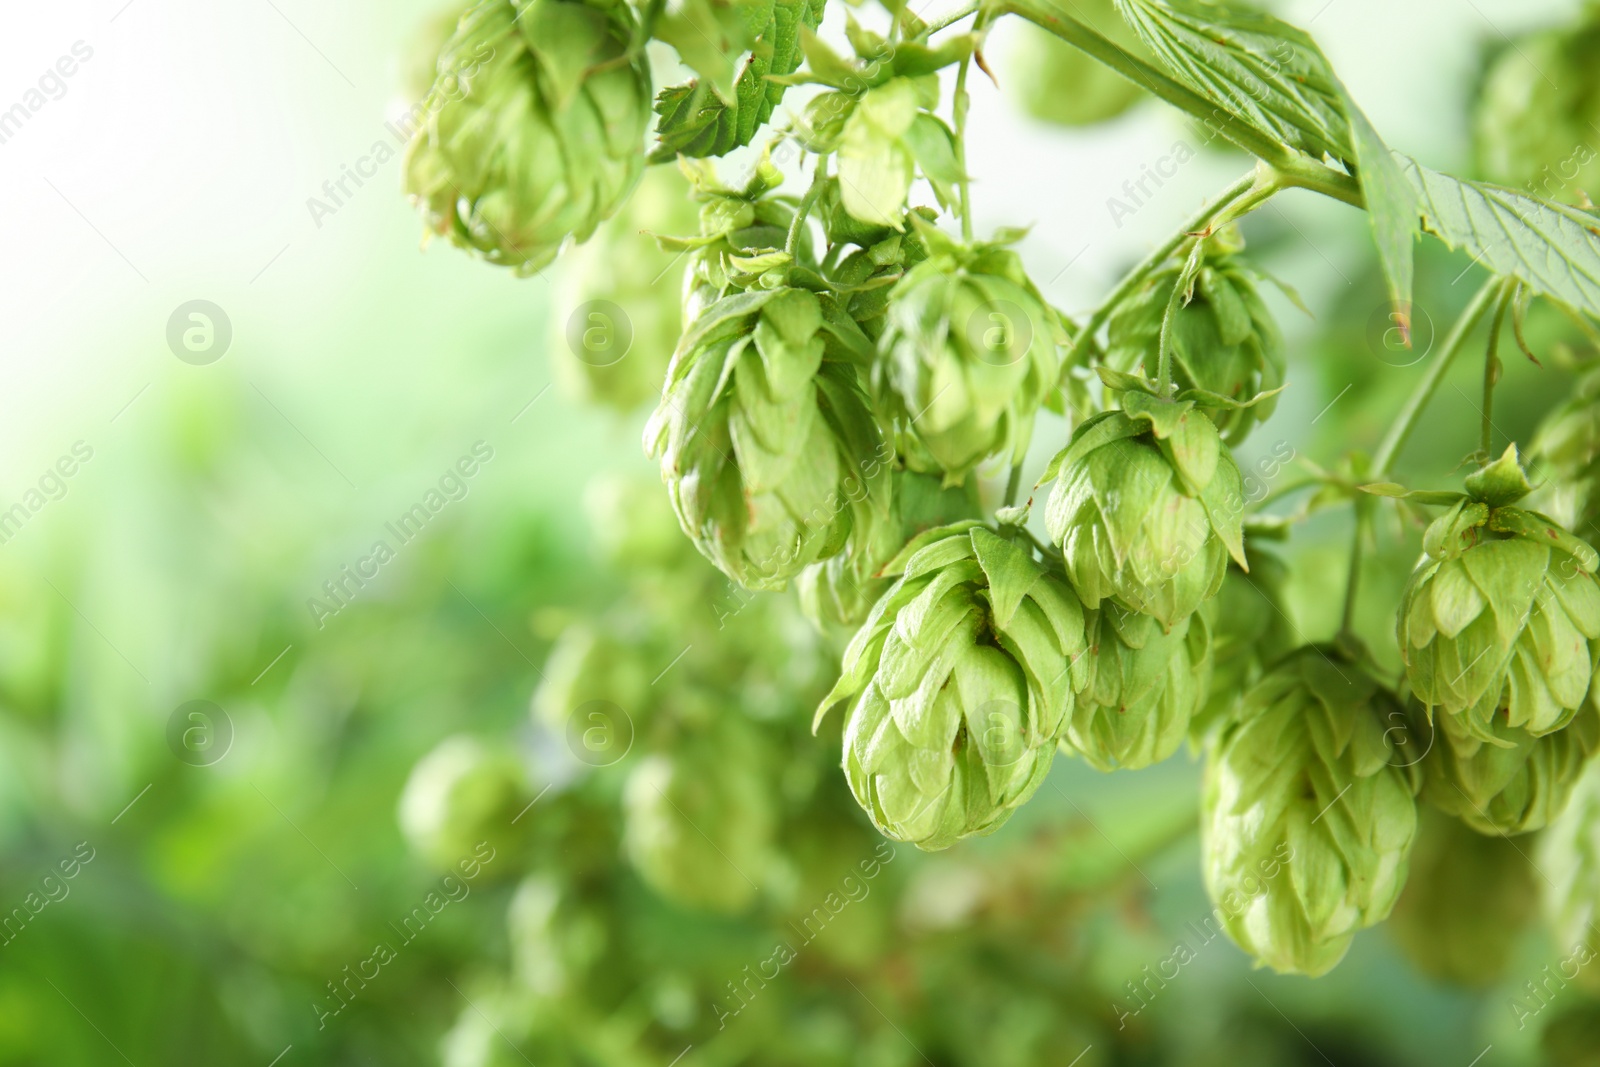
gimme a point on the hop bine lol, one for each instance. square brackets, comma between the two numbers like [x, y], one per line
[1498, 625]
[1306, 820]
[963, 675]
[968, 354]
[535, 127]
[768, 446]
[1147, 507]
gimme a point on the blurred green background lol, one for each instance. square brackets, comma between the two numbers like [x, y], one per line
[239, 874]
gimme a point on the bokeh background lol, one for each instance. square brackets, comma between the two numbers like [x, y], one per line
[235, 873]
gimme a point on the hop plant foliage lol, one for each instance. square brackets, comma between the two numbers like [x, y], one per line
[1307, 775]
[535, 127]
[962, 677]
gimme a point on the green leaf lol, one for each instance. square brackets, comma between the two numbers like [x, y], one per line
[1252, 66]
[1391, 210]
[1553, 248]
[933, 146]
[697, 122]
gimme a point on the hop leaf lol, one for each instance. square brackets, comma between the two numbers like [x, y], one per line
[967, 356]
[768, 446]
[1498, 626]
[1305, 823]
[1225, 342]
[1144, 685]
[963, 675]
[1147, 515]
[534, 130]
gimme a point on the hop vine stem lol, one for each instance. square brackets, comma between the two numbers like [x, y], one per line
[1491, 371]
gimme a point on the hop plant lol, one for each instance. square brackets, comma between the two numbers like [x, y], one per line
[1145, 683]
[1467, 902]
[1058, 83]
[1306, 820]
[617, 313]
[968, 354]
[1147, 508]
[1498, 625]
[1513, 784]
[535, 127]
[962, 675]
[1532, 125]
[460, 795]
[1225, 344]
[1569, 858]
[699, 821]
[768, 446]
[1565, 453]
[742, 234]
[1250, 629]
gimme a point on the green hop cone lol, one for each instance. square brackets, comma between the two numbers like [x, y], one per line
[460, 796]
[534, 129]
[742, 233]
[968, 354]
[1147, 507]
[591, 672]
[1466, 904]
[1056, 82]
[841, 590]
[1306, 821]
[962, 675]
[768, 446]
[1498, 625]
[1565, 453]
[1145, 683]
[1250, 629]
[1225, 343]
[1533, 121]
[617, 314]
[699, 821]
[633, 523]
[1569, 858]
[1513, 784]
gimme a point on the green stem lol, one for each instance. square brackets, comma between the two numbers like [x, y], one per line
[1406, 421]
[819, 179]
[1243, 195]
[1013, 483]
[952, 18]
[1491, 372]
[958, 115]
[1358, 540]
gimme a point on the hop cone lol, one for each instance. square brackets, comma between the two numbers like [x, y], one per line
[1466, 905]
[962, 675]
[459, 795]
[1147, 512]
[1058, 83]
[742, 233]
[1250, 629]
[1144, 685]
[841, 590]
[768, 447]
[534, 130]
[633, 523]
[1569, 858]
[1306, 823]
[1512, 784]
[1224, 341]
[1532, 128]
[967, 355]
[617, 313]
[1498, 625]
[1566, 450]
[699, 820]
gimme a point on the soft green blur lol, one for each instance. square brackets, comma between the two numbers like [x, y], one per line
[392, 860]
